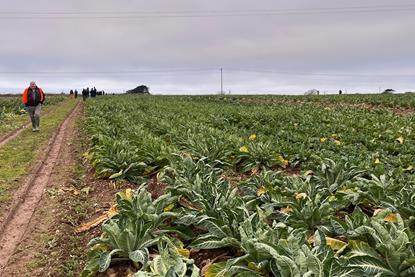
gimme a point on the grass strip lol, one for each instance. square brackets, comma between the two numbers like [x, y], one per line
[13, 121]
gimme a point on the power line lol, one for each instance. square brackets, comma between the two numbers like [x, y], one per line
[201, 14]
[193, 70]
[213, 11]
[322, 74]
[201, 70]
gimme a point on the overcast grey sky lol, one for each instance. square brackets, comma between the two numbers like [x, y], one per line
[178, 46]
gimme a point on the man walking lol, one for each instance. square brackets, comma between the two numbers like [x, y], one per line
[33, 98]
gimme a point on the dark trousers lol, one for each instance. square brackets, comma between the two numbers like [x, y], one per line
[34, 113]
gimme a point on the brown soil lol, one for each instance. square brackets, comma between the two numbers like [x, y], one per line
[121, 269]
[368, 210]
[156, 188]
[402, 111]
[234, 178]
[205, 257]
[291, 171]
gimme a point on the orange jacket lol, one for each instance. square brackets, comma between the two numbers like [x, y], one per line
[26, 95]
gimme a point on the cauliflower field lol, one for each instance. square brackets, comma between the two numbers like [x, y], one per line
[263, 186]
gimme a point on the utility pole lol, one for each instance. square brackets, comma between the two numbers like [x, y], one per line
[221, 80]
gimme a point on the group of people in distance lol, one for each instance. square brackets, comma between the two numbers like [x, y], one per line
[86, 92]
[74, 93]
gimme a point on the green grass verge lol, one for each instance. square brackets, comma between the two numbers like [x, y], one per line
[18, 155]
[13, 121]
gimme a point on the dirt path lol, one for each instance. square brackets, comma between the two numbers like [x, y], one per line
[15, 223]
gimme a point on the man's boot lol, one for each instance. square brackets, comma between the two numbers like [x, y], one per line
[33, 124]
[37, 123]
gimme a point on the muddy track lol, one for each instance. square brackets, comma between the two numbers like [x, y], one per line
[15, 222]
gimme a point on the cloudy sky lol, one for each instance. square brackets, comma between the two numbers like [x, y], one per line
[179, 46]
